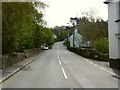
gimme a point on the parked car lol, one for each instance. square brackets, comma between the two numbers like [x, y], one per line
[45, 48]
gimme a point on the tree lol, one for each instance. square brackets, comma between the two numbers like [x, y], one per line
[49, 36]
[91, 28]
[62, 32]
[19, 25]
[101, 45]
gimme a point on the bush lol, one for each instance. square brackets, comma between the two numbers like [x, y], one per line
[66, 43]
[51, 46]
[101, 45]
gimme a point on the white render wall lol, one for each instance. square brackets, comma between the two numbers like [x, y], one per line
[71, 41]
[114, 42]
[119, 39]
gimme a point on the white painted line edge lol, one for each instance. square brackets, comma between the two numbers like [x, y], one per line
[64, 73]
[96, 65]
[100, 67]
[91, 62]
[107, 70]
[58, 57]
[60, 62]
[85, 59]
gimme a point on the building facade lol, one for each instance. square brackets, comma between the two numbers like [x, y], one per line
[75, 39]
[114, 32]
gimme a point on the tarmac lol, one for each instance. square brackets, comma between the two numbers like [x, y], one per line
[12, 70]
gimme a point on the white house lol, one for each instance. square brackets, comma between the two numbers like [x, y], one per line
[77, 40]
[114, 31]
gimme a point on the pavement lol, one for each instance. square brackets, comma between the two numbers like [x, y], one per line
[10, 71]
[59, 68]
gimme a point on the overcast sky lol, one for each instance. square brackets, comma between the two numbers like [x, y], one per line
[59, 11]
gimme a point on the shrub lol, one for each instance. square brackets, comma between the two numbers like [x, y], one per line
[51, 46]
[66, 43]
[101, 45]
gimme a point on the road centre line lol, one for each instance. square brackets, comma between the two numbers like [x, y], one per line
[58, 57]
[60, 62]
[64, 73]
[62, 67]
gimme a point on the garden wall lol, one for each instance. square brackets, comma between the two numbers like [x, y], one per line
[115, 63]
[14, 57]
[93, 54]
[90, 53]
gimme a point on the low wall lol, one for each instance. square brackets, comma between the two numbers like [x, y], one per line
[90, 53]
[14, 57]
[115, 63]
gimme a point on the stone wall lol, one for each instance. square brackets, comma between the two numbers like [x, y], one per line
[14, 57]
[90, 53]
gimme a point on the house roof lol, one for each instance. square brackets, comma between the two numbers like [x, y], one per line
[108, 1]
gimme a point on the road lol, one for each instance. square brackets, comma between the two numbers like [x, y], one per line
[60, 68]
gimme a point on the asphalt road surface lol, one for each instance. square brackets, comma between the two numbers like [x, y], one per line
[60, 68]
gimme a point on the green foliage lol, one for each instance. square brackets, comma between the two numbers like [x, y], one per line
[61, 32]
[49, 40]
[66, 43]
[92, 30]
[101, 45]
[51, 46]
[23, 26]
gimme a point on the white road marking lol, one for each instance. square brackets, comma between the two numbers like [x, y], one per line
[101, 67]
[58, 57]
[60, 62]
[107, 70]
[64, 73]
[95, 64]
[87, 60]
[91, 62]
